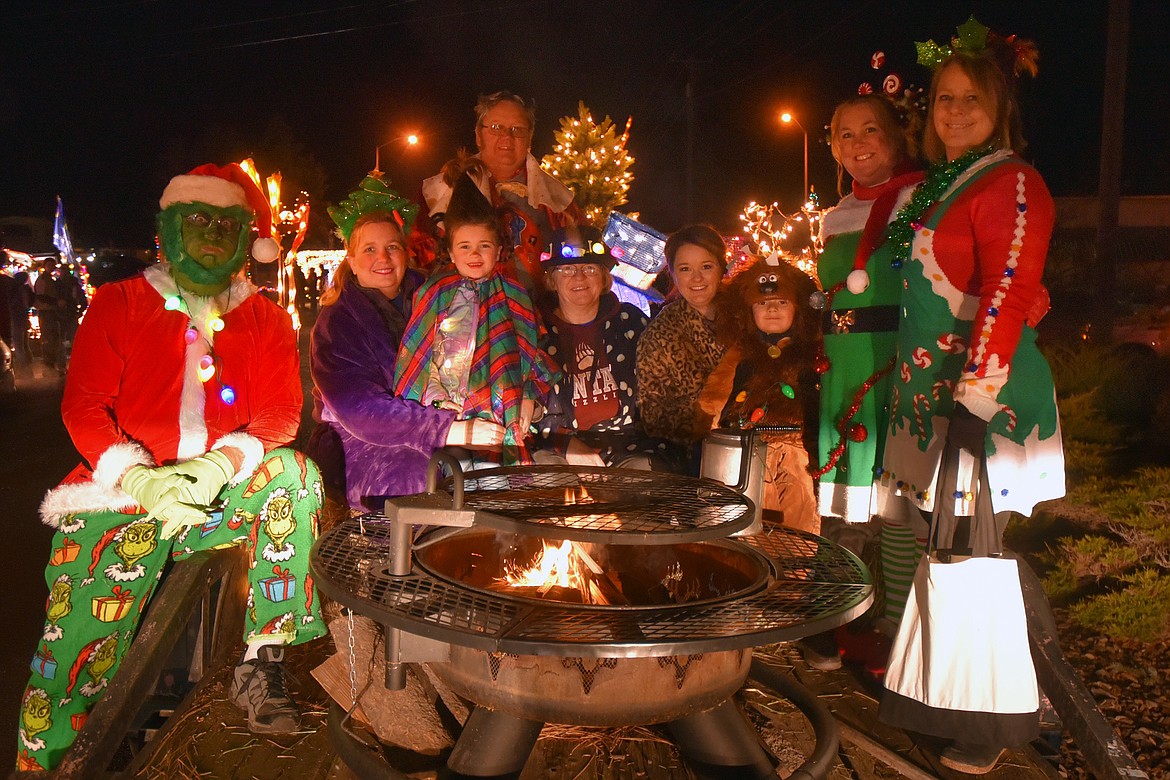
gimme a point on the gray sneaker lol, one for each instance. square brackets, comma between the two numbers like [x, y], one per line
[258, 689]
[970, 758]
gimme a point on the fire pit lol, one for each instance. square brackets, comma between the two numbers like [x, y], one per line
[588, 597]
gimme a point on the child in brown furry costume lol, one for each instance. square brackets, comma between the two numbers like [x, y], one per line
[766, 378]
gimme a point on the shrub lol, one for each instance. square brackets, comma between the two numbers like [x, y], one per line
[1140, 611]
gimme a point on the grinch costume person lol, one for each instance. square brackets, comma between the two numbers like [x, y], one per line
[184, 386]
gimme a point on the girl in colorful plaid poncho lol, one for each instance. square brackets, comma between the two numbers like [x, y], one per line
[471, 343]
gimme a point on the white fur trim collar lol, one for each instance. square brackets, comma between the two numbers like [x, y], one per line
[159, 277]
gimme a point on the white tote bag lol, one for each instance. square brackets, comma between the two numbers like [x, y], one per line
[963, 640]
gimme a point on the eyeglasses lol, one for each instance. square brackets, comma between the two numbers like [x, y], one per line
[516, 131]
[203, 220]
[586, 269]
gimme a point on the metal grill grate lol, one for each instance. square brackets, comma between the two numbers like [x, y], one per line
[604, 504]
[817, 586]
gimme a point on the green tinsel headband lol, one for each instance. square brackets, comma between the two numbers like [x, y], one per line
[373, 194]
[973, 38]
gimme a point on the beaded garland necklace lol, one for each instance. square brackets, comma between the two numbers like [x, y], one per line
[939, 178]
[900, 236]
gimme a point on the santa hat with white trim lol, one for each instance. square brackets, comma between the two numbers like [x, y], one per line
[224, 186]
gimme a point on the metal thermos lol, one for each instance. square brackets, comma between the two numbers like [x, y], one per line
[737, 458]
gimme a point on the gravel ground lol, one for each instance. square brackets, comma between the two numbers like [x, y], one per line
[1131, 682]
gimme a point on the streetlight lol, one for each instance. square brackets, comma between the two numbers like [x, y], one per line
[788, 118]
[411, 139]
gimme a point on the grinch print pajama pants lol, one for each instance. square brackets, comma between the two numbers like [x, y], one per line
[105, 565]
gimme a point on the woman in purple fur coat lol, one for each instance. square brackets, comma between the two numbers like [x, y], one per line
[369, 441]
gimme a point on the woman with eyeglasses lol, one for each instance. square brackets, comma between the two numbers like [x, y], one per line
[592, 419]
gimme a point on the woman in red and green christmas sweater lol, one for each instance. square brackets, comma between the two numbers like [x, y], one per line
[968, 373]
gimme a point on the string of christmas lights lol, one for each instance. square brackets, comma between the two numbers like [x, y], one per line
[591, 159]
[771, 230]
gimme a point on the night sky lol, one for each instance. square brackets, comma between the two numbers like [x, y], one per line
[103, 101]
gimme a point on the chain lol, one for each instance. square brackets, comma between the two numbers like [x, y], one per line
[353, 693]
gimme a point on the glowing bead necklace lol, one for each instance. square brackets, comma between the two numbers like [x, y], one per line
[209, 364]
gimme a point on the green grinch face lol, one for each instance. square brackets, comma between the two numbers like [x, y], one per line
[138, 541]
[103, 660]
[35, 717]
[205, 244]
[210, 237]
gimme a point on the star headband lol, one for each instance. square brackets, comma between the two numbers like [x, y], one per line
[973, 37]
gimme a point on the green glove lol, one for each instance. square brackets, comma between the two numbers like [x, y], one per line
[146, 486]
[199, 480]
[175, 515]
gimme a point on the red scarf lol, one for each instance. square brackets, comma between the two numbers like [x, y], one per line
[884, 196]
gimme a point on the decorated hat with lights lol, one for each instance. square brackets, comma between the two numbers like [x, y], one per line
[577, 244]
[373, 194]
[223, 187]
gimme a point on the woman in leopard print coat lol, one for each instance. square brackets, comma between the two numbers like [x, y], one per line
[678, 351]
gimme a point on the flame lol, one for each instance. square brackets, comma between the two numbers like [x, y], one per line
[554, 566]
[577, 495]
[566, 565]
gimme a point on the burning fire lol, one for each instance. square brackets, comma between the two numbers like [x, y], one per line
[576, 496]
[568, 566]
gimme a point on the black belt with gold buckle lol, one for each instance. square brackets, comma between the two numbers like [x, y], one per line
[864, 319]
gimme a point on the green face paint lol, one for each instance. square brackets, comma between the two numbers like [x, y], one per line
[205, 245]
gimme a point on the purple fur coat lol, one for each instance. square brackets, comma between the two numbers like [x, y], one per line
[387, 440]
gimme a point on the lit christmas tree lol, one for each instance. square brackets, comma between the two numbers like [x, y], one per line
[591, 160]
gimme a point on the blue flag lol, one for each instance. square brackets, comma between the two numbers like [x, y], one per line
[61, 238]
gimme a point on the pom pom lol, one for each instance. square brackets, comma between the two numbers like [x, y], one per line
[818, 300]
[857, 282]
[857, 432]
[265, 250]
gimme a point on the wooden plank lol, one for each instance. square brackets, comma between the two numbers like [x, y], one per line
[1105, 754]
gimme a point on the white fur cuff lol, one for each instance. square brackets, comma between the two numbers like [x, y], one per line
[248, 444]
[100, 493]
[117, 460]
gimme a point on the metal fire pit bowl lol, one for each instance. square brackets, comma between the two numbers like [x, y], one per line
[684, 656]
[639, 576]
[814, 586]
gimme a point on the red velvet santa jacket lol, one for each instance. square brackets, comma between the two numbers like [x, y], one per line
[133, 394]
